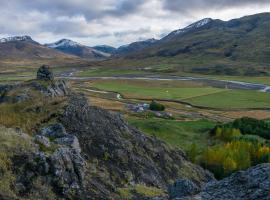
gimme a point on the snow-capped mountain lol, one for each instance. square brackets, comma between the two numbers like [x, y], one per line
[74, 48]
[63, 43]
[17, 38]
[19, 48]
[192, 27]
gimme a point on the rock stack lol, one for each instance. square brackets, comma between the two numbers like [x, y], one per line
[45, 73]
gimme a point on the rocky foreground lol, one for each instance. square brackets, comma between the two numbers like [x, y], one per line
[84, 152]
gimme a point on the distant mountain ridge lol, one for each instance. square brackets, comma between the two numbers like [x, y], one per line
[24, 47]
[74, 48]
[134, 47]
[234, 47]
[18, 38]
[105, 48]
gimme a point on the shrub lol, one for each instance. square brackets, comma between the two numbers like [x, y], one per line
[233, 156]
[155, 106]
[226, 134]
[247, 126]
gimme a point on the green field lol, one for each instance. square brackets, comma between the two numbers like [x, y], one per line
[196, 95]
[176, 133]
[107, 72]
[233, 99]
[134, 90]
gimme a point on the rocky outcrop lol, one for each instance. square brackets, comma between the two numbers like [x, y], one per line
[252, 184]
[56, 88]
[119, 155]
[43, 86]
[183, 188]
[58, 163]
[44, 73]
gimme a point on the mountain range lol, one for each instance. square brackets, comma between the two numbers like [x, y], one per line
[206, 46]
[74, 48]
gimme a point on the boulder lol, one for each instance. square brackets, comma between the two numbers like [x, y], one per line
[182, 188]
[44, 73]
[68, 169]
[251, 184]
[42, 140]
[53, 131]
[70, 141]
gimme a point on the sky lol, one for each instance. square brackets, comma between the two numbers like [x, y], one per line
[113, 22]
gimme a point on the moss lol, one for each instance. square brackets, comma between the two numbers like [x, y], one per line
[141, 191]
[11, 143]
[125, 193]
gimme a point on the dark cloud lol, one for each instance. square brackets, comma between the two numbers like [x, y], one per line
[90, 9]
[111, 21]
[189, 6]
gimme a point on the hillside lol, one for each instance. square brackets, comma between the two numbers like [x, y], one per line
[70, 149]
[235, 47]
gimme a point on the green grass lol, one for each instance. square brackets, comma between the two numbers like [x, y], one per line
[176, 133]
[108, 72]
[141, 190]
[233, 99]
[144, 91]
[257, 79]
[197, 95]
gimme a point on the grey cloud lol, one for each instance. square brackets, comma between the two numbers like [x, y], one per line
[189, 6]
[90, 9]
[138, 32]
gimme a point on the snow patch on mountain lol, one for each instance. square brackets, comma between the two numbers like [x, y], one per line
[63, 43]
[15, 38]
[195, 25]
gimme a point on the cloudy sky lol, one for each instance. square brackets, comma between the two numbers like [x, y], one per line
[113, 22]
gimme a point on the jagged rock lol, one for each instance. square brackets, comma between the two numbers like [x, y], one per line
[53, 131]
[54, 89]
[42, 140]
[68, 168]
[45, 73]
[70, 141]
[58, 135]
[182, 188]
[251, 184]
[121, 155]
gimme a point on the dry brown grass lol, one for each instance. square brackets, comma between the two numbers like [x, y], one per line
[29, 115]
[107, 104]
[257, 114]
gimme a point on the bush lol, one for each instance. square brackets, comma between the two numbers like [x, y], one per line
[233, 156]
[155, 106]
[226, 134]
[247, 126]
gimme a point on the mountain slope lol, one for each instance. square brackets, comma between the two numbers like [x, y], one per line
[134, 47]
[105, 48]
[74, 48]
[23, 47]
[235, 47]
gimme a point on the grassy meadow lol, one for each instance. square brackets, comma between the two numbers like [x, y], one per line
[180, 134]
[186, 91]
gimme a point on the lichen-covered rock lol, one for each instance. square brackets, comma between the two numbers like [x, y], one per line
[53, 131]
[120, 155]
[68, 169]
[42, 140]
[70, 141]
[182, 188]
[55, 88]
[252, 184]
[45, 73]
